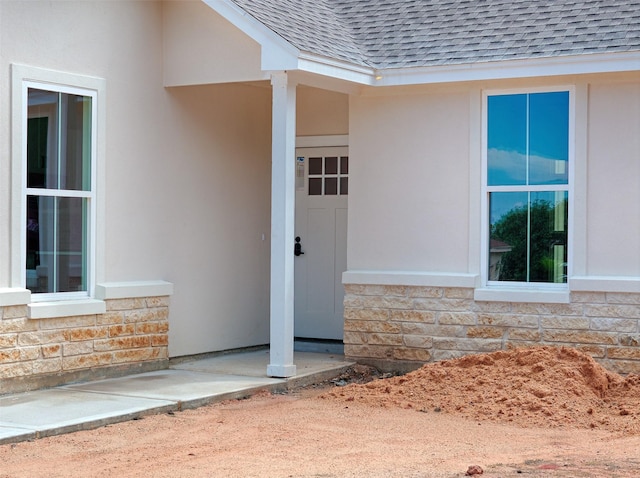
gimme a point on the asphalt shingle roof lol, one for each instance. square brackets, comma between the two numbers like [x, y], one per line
[406, 33]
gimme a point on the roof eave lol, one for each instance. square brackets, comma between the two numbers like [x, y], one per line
[337, 69]
[511, 69]
[277, 54]
[481, 71]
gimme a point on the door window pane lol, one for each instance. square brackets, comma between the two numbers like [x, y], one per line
[315, 186]
[331, 165]
[344, 186]
[315, 166]
[331, 186]
[344, 165]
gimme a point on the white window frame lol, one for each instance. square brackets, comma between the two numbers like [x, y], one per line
[23, 78]
[524, 287]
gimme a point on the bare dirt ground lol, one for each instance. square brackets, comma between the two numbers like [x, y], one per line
[533, 412]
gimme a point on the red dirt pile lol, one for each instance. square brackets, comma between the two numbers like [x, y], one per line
[541, 386]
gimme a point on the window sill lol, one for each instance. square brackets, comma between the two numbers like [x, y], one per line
[522, 295]
[66, 308]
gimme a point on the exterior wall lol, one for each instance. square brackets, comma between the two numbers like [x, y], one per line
[613, 182]
[186, 188]
[401, 327]
[194, 27]
[216, 225]
[409, 181]
[130, 336]
[321, 112]
[185, 194]
[413, 286]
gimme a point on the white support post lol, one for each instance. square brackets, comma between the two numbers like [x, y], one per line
[283, 136]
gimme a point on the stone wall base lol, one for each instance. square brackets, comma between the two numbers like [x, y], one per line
[398, 328]
[37, 382]
[130, 337]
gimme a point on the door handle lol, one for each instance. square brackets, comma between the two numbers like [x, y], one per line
[297, 248]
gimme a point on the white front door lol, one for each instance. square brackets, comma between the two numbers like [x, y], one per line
[322, 184]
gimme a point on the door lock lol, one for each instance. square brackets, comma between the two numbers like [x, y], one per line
[297, 248]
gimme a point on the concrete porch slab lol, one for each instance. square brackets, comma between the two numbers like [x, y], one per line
[58, 410]
[184, 388]
[187, 384]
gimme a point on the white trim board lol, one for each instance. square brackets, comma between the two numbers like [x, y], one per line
[66, 308]
[605, 284]
[130, 290]
[322, 141]
[14, 296]
[420, 279]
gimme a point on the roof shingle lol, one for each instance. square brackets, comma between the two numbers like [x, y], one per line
[405, 33]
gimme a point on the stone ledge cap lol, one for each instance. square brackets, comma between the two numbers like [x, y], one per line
[134, 289]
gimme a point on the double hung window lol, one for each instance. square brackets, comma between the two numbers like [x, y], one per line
[59, 192]
[527, 187]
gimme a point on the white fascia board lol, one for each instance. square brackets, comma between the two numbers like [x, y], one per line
[277, 54]
[340, 70]
[510, 69]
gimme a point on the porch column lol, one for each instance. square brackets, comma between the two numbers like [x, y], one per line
[283, 136]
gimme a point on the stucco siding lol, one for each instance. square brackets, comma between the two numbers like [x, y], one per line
[217, 51]
[614, 179]
[321, 112]
[409, 196]
[187, 170]
[218, 217]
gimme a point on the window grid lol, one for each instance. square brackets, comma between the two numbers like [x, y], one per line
[328, 176]
[560, 203]
[61, 196]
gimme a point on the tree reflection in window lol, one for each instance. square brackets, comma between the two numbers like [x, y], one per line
[529, 242]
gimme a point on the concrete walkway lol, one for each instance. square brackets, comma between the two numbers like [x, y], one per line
[187, 384]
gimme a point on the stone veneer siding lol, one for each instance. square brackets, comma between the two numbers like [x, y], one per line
[401, 327]
[36, 353]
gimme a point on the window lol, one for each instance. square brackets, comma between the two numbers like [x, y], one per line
[527, 187]
[329, 176]
[59, 162]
